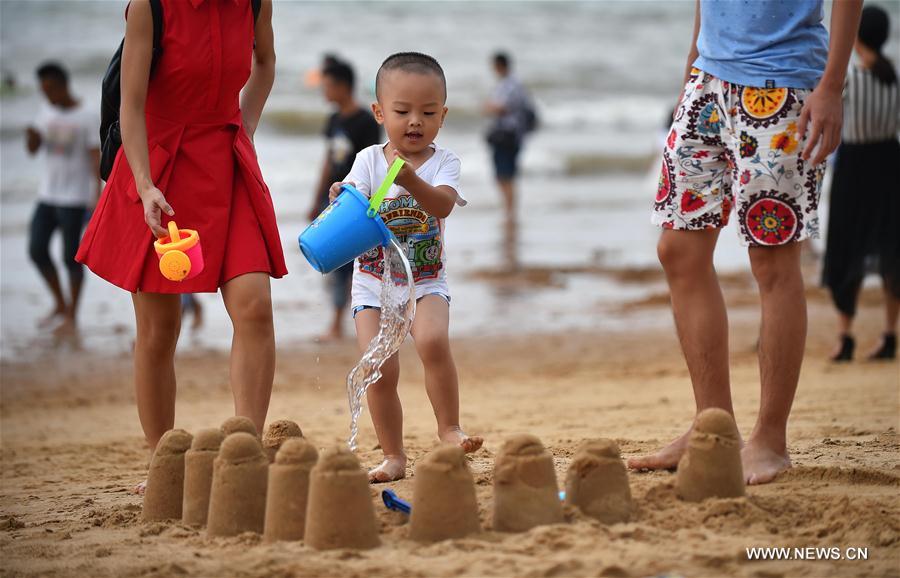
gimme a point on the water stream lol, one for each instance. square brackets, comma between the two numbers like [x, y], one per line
[398, 308]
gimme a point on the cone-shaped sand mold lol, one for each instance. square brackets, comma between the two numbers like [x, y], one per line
[165, 481]
[597, 482]
[340, 513]
[237, 501]
[288, 490]
[444, 504]
[525, 492]
[238, 423]
[711, 466]
[277, 433]
[198, 472]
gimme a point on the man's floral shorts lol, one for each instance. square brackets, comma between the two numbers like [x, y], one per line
[735, 149]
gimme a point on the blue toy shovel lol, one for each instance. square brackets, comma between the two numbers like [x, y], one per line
[393, 502]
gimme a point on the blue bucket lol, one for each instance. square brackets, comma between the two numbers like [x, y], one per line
[343, 232]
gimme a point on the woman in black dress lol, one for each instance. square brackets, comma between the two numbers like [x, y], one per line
[864, 220]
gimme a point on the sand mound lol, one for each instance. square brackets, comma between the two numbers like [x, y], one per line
[276, 434]
[164, 495]
[444, 503]
[340, 512]
[286, 498]
[711, 466]
[525, 491]
[237, 500]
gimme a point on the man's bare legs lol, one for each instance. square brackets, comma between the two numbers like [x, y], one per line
[702, 324]
[158, 319]
[781, 343]
[430, 331]
[384, 404]
[249, 304]
[508, 191]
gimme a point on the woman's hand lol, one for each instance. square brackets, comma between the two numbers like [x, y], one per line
[155, 204]
[335, 190]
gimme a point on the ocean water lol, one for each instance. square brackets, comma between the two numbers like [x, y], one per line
[604, 75]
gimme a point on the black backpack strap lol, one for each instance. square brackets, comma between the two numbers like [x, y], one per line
[157, 11]
[255, 4]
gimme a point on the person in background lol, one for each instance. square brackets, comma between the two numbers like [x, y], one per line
[191, 305]
[513, 117]
[864, 220]
[65, 132]
[350, 129]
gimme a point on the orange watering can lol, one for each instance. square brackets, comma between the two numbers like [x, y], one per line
[180, 255]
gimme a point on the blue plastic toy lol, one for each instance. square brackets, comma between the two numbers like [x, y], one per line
[393, 502]
[348, 227]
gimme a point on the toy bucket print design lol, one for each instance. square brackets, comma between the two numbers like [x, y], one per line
[180, 254]
[348, 227]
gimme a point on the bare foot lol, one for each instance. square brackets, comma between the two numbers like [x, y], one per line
[140, 488]
[665, 459]
[393, 468]
[457, 436]
[65, 328]
[761, 463]
[330, 337]
[51, 319]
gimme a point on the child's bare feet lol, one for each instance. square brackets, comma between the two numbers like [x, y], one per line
[456, 436]
[393, 468]
[140, 488]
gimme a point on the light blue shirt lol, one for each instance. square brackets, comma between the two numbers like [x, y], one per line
[774, 43]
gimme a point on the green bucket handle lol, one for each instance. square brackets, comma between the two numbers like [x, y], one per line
[378, 197]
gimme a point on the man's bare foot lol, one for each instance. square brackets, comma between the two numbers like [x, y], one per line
[762, 463]
[140, 488]
[457, 436]
[665, 459]
[393, 468]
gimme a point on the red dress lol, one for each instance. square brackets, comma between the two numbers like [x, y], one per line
[200, 158]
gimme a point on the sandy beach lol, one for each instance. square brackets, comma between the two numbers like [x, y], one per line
[72, 449]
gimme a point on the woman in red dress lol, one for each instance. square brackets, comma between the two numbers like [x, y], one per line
[188, 156]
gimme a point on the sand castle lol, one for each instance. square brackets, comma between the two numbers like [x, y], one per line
[237, 501]
[711, 466]
[444, 504]
[238, 423]
[277, 433]
[597, 482]
[165, 481]
[525, 492]
[198, 473]
[288, 490]
[340, 513]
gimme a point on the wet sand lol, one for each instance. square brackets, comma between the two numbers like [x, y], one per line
[72, 449]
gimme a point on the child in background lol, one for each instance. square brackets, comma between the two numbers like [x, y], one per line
[411, 92]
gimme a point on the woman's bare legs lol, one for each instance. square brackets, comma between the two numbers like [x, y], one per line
[248, 301]
[158, 318]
